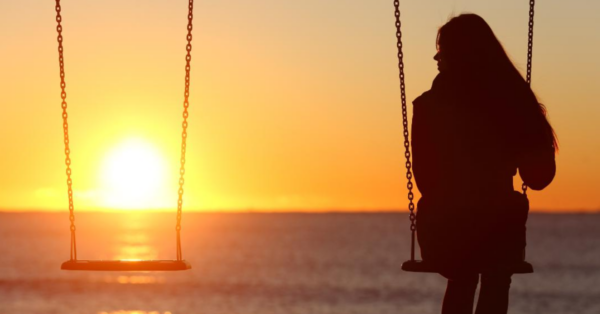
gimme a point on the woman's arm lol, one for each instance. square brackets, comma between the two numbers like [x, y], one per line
[536, 160]
[429, 138]
[537, 167]
[426, 154]
[421, 151]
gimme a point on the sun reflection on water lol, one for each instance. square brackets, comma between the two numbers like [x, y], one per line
[139, 280]
[135, 312]
[132, 279]
[136, 252]
[134, 247]
[133, 238]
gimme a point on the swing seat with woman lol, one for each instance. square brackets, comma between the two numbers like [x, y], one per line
[478, 124]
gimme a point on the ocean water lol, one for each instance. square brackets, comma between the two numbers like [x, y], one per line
[271, 264]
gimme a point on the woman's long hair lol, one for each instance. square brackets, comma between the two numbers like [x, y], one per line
[469, 46]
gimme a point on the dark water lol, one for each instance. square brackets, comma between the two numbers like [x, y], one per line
[271, 263]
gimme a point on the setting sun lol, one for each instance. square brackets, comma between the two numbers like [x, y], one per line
[133, 176]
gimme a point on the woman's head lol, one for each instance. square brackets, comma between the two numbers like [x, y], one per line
[468, 48]
[466, 43]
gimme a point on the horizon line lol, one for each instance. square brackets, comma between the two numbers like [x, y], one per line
[270, 211]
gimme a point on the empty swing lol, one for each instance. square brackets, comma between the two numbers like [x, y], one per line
[125, 265]
[413, 265]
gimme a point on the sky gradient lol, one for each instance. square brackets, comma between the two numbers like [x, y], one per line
[294, 104]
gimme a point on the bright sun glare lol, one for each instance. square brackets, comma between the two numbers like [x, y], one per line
[133, 176]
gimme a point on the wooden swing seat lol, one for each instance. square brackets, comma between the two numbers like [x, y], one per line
[426, 267]
[126, 265]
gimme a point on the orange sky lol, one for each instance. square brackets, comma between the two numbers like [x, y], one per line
[294, 104]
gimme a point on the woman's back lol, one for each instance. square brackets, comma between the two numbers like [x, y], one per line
[462, 144]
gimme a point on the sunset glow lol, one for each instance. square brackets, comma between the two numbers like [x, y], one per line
[294, 105]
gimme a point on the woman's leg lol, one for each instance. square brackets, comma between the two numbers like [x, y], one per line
[460, 293]
[493, 295]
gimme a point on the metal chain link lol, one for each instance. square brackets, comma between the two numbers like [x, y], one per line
[186, 104]
[529, 57]
[530, 40]
[409, 185]
[63, 96]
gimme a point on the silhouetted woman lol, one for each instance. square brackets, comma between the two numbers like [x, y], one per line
[478, 124]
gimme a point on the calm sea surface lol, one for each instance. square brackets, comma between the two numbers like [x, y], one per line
[271, 264]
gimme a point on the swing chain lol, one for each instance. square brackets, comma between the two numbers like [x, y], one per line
[63, 96]
[530, 40]
[186, 104]
[529, 56]
[409, 185]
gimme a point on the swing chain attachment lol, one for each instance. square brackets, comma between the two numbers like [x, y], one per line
[63, 96]
[184, 124]
[409, 185]
[529, 56]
